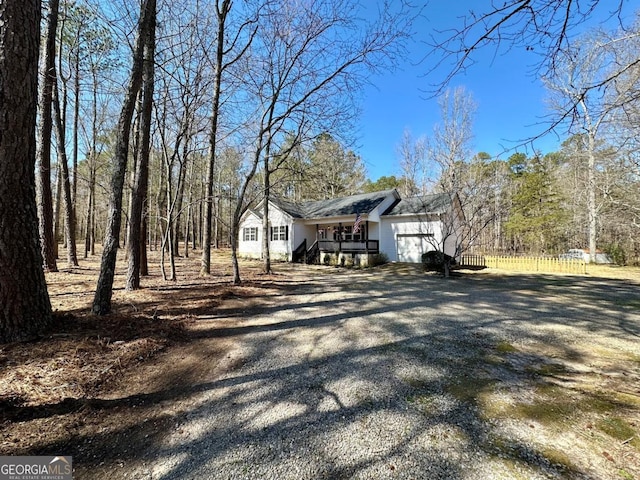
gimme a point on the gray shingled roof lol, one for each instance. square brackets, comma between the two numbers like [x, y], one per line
[293, 209]
[363, 204]
[431, 204]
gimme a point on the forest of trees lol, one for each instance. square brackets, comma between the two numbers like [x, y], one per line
[528, 204]
[159, 123]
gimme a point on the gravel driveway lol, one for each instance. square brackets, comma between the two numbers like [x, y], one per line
[391, 373]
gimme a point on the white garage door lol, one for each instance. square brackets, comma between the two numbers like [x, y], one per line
[411, 247]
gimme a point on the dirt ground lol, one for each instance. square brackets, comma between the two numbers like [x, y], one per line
[88, 388]
[65, 385]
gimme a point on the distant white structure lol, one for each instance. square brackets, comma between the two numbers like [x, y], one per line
[583, 254]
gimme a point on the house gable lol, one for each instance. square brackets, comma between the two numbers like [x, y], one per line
[283, 230]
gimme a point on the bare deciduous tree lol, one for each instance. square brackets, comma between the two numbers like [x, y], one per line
[591, 111]
[104, 289]
[306, 59]
[413, 165]
[230, 47]
[465, 177]
[545, 28]
[136, 241]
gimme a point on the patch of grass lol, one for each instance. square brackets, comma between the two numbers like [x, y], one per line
[505, 347]
[627, 399]
[625, 475]
[635, 358]
[512, 453]
[598, 403]
[554, 405]
[558, 458]
[492, 407]
[548, 369]
[495, 360]
[424, 403]
[469, 390]
[619, 429]
[416, 382]
[545, 411]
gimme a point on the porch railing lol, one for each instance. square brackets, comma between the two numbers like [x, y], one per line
[349, 246]
[300, 252]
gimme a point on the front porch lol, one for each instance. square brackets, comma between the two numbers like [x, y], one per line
[349, 246]
[337, 244]
[336, 251]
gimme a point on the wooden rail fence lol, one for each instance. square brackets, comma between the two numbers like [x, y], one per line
[477, 261]
[538, 264]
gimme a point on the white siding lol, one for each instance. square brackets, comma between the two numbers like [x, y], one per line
[407, 226]
[301, 232]
[252, 249]
[279, 249]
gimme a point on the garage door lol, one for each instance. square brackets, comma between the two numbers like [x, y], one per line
[411, 247]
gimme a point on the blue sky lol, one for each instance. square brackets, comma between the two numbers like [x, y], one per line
[510, 100]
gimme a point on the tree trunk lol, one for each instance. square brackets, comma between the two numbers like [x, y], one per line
[236, 214]
[187, 223]
[104, 289]
[591, 199]
[89, 236]
[76, 120]
[167, 238]
[222, 13]
[266, 253]
[45, 201]
[144, 264]
[136, 233]
[69, 221]
[182, 172]
[56, 212]
[25, 308]
[89, 246]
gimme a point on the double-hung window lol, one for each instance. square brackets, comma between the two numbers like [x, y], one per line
[250, 234]
[280, 233]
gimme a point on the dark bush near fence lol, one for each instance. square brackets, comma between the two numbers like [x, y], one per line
[434, 261]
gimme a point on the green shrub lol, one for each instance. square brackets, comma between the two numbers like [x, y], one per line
[617, 253]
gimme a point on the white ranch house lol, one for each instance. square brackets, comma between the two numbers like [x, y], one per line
[354, 228]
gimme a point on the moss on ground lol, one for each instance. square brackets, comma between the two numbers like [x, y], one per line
[620, 429]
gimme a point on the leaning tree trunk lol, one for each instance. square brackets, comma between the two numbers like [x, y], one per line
[45, 201]
[136, 233]
[104, 289]
[25, 308]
